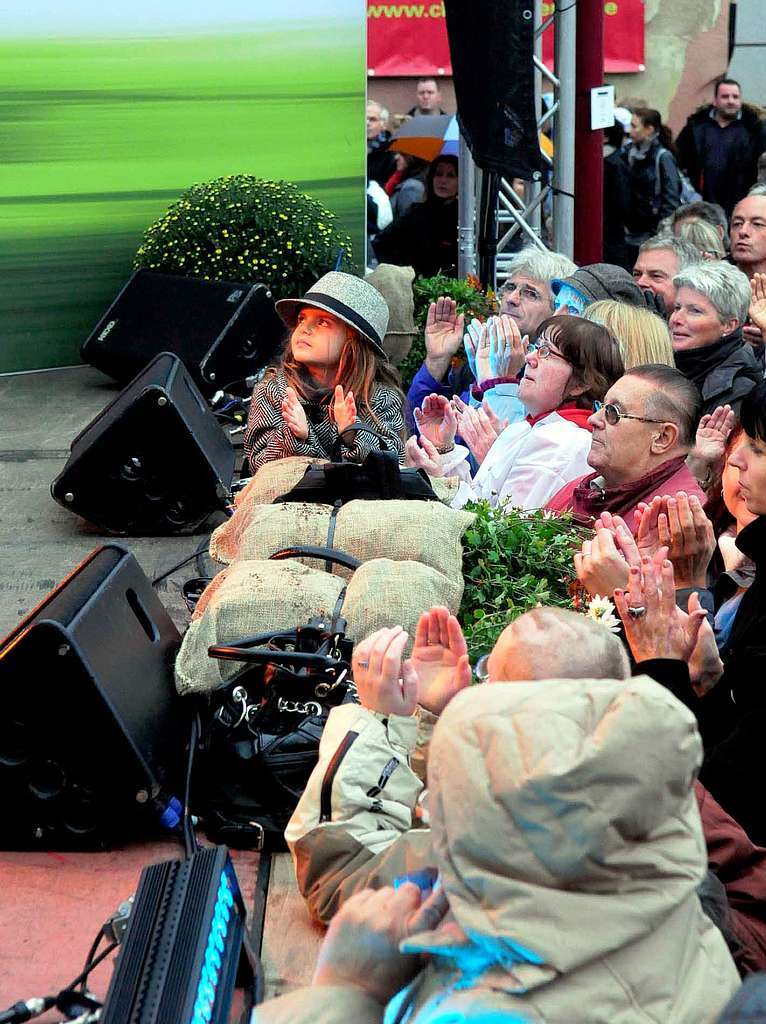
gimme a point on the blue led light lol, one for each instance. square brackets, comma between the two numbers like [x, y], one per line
[211, 966]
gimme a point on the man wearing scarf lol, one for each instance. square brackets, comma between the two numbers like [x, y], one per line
[642, 454]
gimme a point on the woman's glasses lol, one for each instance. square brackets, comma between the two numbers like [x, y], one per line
[544, 349]
[613, 414]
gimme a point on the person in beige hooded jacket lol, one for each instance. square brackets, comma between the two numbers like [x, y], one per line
[568, 843]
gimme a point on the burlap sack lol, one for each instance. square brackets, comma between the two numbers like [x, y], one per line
[256, 596]
[395, 285]
[274, 479]
[249, 597]
[420, 531]
[386, 593]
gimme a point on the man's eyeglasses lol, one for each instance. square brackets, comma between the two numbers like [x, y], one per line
[613, 414]
[524, 290]
[543, 350]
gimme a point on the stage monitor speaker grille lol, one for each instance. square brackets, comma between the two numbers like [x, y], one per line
[223, 331]
[155, 461]
[92, 733]
[491, 46]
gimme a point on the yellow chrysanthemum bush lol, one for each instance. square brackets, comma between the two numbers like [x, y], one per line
[242, 228]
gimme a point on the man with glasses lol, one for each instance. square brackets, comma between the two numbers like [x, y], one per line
[526, 297]
[642, 435]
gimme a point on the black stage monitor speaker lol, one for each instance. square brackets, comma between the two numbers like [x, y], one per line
[155, 461]
[92, 732]
[223, 331]
[185, 941]
[491, 46]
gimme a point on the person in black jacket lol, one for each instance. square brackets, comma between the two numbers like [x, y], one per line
[711, 305]
[426, 236]
[616, 198]
[719, 146]
[655, 185]
[732, 715]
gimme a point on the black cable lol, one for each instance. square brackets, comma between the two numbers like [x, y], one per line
[197, 551]
[90, 967]
[191, 846]
[91, 953]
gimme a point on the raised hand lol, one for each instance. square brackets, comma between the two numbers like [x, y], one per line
[343, 409]
[678, 523]
[471, 340]
[757, 309]
[479, 428]
[440, 659]
[422, 454]
[712, 434]
[436, 421]
[443, 335]
[294, 415]
[603, 563]
[384, 683]
[705, 665]
[655, 627]
[507, 348]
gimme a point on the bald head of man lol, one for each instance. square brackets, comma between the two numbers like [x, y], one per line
[552, 643]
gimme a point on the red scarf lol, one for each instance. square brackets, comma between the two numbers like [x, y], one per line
[570, 411]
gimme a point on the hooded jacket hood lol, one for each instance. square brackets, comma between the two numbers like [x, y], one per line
[564, 821]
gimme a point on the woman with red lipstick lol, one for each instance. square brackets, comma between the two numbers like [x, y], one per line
[334, 374]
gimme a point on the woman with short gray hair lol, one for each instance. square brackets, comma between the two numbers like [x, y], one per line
[712, 301]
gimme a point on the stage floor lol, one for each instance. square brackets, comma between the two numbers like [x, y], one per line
[52, 904]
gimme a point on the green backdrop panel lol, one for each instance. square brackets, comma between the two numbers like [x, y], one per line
[99, 136]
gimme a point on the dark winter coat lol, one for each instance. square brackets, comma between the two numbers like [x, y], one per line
[651, 201]
[725, 380]
[741, 169]
[424, 238]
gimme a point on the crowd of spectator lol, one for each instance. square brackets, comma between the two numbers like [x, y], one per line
[581, 837]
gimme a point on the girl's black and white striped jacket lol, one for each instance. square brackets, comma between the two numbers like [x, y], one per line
[267, 437]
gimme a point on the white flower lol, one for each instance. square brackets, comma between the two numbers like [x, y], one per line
[601, 610]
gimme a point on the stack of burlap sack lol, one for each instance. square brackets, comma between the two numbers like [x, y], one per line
[411, 555]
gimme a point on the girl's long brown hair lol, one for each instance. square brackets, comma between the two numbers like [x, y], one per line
[359, 370]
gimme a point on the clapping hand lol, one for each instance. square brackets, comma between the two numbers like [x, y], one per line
[679, 524]
[655, 627]
[603, 563]
[757, 311]
[361, 948]
[420, 453]
[440, 659]
[436, 421]
[385, 683]
[294, 415]
[478, 427]
[343, 409]
[712, 434]
[443, 334]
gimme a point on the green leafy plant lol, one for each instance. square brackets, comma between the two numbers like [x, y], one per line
[470, 300]
[242, 228]
[513, 561]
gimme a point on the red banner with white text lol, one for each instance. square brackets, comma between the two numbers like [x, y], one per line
[411, 39]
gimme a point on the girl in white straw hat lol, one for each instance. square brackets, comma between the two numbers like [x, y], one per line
[334, 373]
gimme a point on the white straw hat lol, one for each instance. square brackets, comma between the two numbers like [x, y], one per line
[349, 298]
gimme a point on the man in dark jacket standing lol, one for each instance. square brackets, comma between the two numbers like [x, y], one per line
[720, 145]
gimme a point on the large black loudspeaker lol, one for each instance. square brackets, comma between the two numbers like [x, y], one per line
[92, 732]
[155, 461]
[222, 331]
[491, 47]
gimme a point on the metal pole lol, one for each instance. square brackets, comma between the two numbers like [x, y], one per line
[533, 188]
[466, 198]
[565, 47]
[589, 172]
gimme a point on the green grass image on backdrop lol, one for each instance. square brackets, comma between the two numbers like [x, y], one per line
[100, 136]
